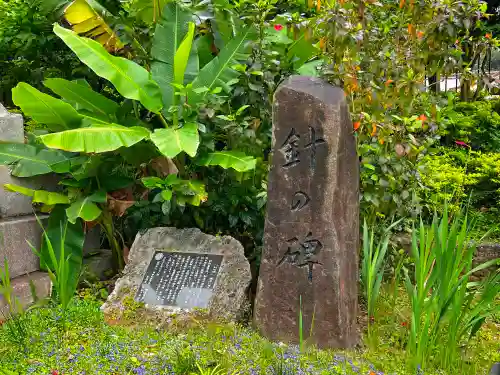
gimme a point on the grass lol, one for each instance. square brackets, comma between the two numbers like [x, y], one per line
[92, 346]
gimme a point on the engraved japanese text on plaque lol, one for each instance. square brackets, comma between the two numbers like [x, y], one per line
[184, 280]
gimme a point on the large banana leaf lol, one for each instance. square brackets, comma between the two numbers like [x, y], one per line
[171, 141]
[229, 159]
[84, 96]
[73, 242]
[219, 71]
[86, 21]
[39, 196]
[86, 208]
[55, 113]
[96, 138]
[169, 32]
[27, 160]
[130, 79]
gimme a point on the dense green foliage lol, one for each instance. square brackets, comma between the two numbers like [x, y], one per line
[160, 115]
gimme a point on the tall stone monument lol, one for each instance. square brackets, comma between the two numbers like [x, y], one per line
[309, 261]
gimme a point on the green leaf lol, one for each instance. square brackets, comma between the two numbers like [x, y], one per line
[171, 141]
[84, 96]
[39, 196]
[310, 68]
[219, 71]
[241, 109]
[301, 51]
[85, 166]
[229, 159]
[73, 243]
[182, 55]
[27, 160]
[86, 208]
[169, 32]
[130, 79]
[166, 195]
[55, 113]
[152, 182]
[96, 138]
[149, 11]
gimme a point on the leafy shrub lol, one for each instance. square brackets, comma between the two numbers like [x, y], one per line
[381, 53]
[454, 175]
[476, 124]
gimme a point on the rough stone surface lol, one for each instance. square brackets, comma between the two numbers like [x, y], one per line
[229, 299]
[311, 237]
[92, 240]
[484, 253]
[22, 289]
[97, 266]
[11, 126]
[14, 234]
[495, 369]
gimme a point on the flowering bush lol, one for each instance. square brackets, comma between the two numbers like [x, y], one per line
[381, 54]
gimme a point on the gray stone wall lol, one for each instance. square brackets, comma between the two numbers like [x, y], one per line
[18, 224]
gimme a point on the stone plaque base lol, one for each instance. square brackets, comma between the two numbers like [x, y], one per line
[222, 292]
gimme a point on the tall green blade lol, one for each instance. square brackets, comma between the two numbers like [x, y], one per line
[219, 71]
[169, 32]
[182, 55]
[73, 243]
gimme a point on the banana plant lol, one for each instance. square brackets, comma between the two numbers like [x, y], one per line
[92, 139]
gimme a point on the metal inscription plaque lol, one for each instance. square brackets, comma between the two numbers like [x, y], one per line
[184, 280]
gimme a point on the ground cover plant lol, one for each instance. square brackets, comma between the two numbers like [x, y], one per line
[91, 346]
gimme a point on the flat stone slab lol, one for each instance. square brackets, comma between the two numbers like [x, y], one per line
[14, 236]
[179, 271]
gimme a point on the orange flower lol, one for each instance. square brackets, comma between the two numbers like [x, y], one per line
[401, 4]
[381, 141]
[322, 43]
[410, 29]
[374, 129]
[388, 82]
[356, 125]
[488, 36]
[420, 34]
[318, 5]
[422, 118]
